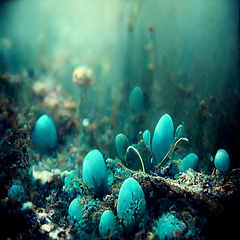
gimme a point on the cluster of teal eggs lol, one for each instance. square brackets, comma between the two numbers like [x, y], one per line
[131, 205]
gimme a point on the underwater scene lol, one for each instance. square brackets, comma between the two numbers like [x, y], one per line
[119, 119]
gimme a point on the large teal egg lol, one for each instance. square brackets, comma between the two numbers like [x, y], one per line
[163, 137]
[94, 172]
[131, 204]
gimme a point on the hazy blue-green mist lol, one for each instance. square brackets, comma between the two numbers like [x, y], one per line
[178, 52]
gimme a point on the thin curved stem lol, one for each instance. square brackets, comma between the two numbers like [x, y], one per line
[171, 149]
[213, 172]
[143, 168]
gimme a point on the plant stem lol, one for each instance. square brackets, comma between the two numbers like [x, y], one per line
[138, 156]
[171, 149]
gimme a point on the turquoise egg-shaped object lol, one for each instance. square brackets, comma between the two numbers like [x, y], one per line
[94, 172]
[163, 137]
[75, 210]
[136, 100]
[180, 132]
[190, 161]
[222, 160]
[131, 204]
[108, 226]
[147, 138]
[44, 135]
[121, 143]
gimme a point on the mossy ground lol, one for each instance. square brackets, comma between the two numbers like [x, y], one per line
[204, 202]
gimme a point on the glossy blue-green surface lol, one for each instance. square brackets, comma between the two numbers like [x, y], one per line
[222, 160]
[163, 137]
[94, 173]
[44, 134]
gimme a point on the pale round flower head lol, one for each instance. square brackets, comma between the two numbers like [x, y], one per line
[83, 76]
[51, 100]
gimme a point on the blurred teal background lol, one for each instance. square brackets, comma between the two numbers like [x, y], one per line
[184, 55]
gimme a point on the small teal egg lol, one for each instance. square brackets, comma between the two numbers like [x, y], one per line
[75, 209]
[44, 134]
[147, 138]
[222, 160]
[136, 100]
[190, 161]
[121, 143]
[108, 225]
[180, 132]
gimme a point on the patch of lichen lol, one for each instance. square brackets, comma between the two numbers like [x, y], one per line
[14, 155]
